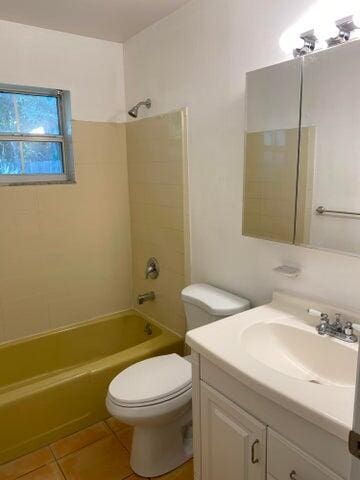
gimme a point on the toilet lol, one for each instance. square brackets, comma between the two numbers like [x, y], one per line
[154, 395]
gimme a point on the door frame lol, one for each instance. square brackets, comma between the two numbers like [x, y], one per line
[355, 463]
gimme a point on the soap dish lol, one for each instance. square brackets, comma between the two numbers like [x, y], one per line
[287, 271]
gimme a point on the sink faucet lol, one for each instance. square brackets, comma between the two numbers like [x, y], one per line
[145, 297]
[338, 329]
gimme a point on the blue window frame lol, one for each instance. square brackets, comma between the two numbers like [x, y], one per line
[35, 136]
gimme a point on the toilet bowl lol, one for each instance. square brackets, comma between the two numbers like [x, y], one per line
[154, 395]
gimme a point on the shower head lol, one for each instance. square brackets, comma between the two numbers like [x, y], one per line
[133, 112]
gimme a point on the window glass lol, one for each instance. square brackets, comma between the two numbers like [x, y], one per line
[10, 158]
[31, 158]
[28, 114]
[33, 145]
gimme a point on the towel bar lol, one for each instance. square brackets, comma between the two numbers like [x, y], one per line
[321, 210]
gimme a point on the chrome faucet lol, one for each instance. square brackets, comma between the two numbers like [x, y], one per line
[338, 329]
[145, 297]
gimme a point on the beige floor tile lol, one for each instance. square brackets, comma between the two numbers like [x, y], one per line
[26, 464]
[116, 425]
[48, 472]
[125, 437]
[80, 439]
[105, 459]
[136, 477]
[184, 472]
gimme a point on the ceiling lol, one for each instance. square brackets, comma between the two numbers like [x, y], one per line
[114, 20]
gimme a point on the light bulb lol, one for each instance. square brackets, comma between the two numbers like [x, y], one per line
[321, 16]
[290, 40]
[326, 30]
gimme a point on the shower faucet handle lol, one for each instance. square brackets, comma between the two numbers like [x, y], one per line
[152, 268]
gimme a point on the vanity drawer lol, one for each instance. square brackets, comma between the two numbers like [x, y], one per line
[285, 461]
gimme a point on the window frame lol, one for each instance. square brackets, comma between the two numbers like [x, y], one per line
[64, 138]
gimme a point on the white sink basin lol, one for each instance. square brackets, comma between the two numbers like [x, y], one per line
[276, 351]
[301, 353]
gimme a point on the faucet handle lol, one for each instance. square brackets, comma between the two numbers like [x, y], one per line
[324, 320]
[348, 329]
[152, 269]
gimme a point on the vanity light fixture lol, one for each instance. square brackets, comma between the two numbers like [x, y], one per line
[345, 26]
[310, 40]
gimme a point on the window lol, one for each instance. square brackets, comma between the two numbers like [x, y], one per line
[35, 135]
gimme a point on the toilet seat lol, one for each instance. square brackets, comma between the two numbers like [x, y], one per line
[151, 382]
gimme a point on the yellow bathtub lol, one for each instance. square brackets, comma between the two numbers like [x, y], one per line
[54, 384]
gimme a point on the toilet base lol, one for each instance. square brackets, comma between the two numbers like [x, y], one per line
[158, 449]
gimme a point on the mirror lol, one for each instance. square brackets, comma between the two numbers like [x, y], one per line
[331, 109]
[271, 152]
[302, 185]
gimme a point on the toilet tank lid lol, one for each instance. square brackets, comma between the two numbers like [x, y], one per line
[214, 300]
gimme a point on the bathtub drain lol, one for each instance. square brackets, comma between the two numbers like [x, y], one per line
[148, 329]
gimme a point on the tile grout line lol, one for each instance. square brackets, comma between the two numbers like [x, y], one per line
[39, 468]
[52, 451]
[111, 429]
[133, 473]
[53, 459]
[111, 434]
[121, 443]
[31, 471]
[61, 470]
[116, 430]
[84, 446]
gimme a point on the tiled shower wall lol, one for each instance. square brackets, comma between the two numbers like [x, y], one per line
[159, 221]
[65, 249]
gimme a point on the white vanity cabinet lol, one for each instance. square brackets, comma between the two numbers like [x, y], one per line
[233, 443]
[240, 435]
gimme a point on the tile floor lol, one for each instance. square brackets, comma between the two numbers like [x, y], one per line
[99, 452]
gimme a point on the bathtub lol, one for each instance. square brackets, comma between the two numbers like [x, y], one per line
[54, 384]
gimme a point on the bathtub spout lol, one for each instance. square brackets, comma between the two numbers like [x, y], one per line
[146, 297]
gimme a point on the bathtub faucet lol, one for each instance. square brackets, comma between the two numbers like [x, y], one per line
[146, 297]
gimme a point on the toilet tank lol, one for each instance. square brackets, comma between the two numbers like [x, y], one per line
[205, 304]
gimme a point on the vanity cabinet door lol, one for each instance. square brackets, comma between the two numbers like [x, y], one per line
[233, 443]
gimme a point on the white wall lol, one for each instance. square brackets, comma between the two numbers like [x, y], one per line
[92, 69]
[198, 57]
